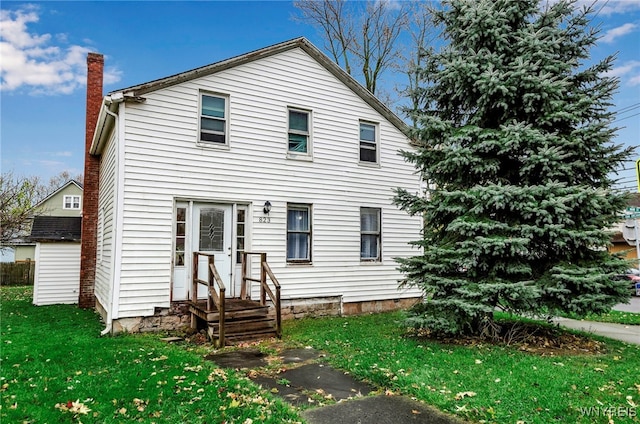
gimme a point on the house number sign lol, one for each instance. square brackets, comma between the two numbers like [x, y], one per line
[264, 219]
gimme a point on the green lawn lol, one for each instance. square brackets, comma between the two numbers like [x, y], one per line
[56, 369]
[481, 383]
[618, 317]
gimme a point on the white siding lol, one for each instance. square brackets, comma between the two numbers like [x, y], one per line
[57, 278]
[163, 162]
[106, 212]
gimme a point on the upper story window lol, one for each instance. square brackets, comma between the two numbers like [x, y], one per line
[298, 233]
[299, 135]
[213, 119]
[370, 234]
[368, 142]
[71, 202]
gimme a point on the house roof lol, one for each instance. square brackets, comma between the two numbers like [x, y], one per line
[59, 189]
[135, 93]
[56, 228]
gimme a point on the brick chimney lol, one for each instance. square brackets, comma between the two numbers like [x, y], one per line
[86, 298]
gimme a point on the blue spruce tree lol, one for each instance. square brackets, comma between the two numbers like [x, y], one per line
[514, 138]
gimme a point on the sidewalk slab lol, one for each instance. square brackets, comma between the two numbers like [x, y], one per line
[625, 333]
[304, 382]
[379, 410]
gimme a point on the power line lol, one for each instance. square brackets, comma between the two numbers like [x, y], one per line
[626, 117]
[624, 109]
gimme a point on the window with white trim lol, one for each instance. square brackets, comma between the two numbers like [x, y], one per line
[299, 135]
[181, 235]
[370, 234]
[298, 233]
[368, 142]
[213, 119]
[71, 202]
[241, 227]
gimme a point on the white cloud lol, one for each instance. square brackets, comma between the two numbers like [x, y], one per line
[624, 69]
[629, 72]
[607, 7]
[30, 61]
[614, 33]
[616, 7]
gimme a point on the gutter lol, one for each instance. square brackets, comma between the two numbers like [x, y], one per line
[108, 118]
[113, 116]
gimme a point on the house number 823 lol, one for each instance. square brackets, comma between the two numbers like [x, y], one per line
[264, 219]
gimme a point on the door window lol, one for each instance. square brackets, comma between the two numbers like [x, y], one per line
[211, 229]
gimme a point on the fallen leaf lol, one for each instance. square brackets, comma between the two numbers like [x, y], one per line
[462, 395]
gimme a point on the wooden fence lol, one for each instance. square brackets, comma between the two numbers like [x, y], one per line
[17, 273]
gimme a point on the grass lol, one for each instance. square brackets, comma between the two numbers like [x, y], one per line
[617, 317]
[55, 366]
[481, 383]
[57, 369]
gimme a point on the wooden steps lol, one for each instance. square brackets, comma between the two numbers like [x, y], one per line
[244, 320]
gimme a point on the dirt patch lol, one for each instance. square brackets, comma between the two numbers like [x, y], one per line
[532, 338]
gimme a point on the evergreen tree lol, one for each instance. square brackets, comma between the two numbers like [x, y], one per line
[515, 141]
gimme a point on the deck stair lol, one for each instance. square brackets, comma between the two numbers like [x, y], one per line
[234, 320]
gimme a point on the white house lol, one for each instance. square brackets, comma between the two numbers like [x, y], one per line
[276, 151]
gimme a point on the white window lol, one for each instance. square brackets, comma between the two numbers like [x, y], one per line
[71, 202]
[241, 226]
[298, 233]
[368, 142]
[370, 234]
[181, 231]
[213, 119]
[299, 139]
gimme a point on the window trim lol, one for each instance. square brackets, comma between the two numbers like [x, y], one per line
[377, 233]
[244, 236]
[71, 202]
[376, 143]
[309, 133]
[309, 233]
[213, 144]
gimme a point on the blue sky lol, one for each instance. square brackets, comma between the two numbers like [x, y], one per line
[44, 46]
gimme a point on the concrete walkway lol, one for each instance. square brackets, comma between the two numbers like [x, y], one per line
[310, 380]
[625, 333]
[310, 377]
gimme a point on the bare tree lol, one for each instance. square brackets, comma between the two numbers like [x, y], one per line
[58, 181]
[19, 199]
[360, 35]
[335, 23]
[418, 48]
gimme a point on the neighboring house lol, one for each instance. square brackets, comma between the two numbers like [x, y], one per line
[276, 151]
[57, 256]
[55, 243]
[65, 201]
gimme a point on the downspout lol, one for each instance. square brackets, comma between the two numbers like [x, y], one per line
[107, 104]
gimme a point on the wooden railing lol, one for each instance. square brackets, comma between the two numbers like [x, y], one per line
[213, 298]
[265, 290]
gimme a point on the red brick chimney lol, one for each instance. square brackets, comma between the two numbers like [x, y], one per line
[86, 298]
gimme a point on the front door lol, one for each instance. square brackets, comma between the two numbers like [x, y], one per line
[211, 234]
